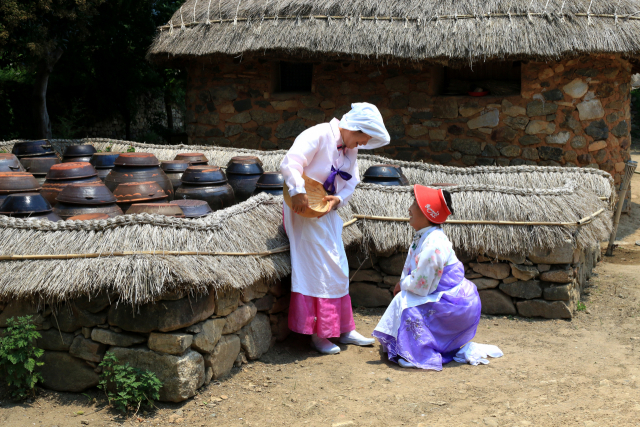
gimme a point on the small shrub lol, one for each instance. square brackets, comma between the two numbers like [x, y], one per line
[131, 149]
[18, 357]
[580, 306]
[127, 387]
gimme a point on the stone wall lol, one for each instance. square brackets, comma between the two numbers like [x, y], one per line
[544, 284]
[572, 112]
[187, 341]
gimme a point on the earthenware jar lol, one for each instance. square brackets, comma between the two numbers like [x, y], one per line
[103, 162]
[196, 159]
[174, 170]
[389, 175]
[193, 208]
[87, 198]
[10, 163]
[138, 167]
[129, 193]
[37, 148]
[63, 174]
[17, 182]
[270, 183]
[243, 173]
[166, 209]
[206, 183]
[39, 166]
[28, 206]
[78, 153]
[88, 217]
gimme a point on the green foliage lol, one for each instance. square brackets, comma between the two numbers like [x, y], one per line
[580, 306]
[131, 149]
[18, 357]
[67, 126]
[128, 387]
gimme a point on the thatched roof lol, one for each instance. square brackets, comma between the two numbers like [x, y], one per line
[600, 182]
[414, 30]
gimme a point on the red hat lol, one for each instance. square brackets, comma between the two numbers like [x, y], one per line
[432, 203]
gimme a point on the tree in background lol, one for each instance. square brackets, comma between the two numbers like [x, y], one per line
[33, 35]
[100, 76]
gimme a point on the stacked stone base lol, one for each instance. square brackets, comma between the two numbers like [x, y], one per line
[544, 284]
[186, 341]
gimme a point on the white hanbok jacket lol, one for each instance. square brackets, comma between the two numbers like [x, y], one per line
[318, 260]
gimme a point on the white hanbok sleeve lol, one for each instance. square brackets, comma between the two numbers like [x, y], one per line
[349, 186]
[297, 158]
[430, 260]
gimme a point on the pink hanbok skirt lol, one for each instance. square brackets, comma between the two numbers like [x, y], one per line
[327, 317]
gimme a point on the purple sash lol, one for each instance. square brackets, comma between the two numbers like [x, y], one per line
[432, 333]
[330, 184]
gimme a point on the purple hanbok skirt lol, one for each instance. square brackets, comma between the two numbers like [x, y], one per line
[431, 334]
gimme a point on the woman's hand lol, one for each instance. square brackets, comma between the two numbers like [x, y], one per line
[396, 289]
[300, 203]
[333, 202]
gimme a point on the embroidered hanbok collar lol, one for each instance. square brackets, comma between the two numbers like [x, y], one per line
[420, 233]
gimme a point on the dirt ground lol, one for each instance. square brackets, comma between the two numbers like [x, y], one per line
[583, 372]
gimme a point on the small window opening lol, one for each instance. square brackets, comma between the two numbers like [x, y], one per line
[496, 78]
[295, 77]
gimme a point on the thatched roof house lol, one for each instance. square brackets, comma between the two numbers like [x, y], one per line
[556, 75]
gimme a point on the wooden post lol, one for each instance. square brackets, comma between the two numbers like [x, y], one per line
[629, 169]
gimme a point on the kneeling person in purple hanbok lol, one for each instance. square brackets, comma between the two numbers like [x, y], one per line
[435, 310]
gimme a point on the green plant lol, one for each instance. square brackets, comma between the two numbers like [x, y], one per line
[18, 357]
[131, 149]
[580, 306]
[68, 125]
[127, 387]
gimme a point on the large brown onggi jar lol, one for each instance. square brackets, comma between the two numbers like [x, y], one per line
[63, 174]
[86, 198]
[174, 170]
[129, 193]
[39, 166]
[243, 173]
[78, 153]
[196, 159]
[10, 163]
[17, 182]
[206, 183]
[136, 168]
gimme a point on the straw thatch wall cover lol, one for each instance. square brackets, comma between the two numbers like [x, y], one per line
[595, 180]
[566, 204]
[255, 227]
[443, 30]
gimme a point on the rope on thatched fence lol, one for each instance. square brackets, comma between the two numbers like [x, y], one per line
[583, 221]
[129, 253]
[405, 20]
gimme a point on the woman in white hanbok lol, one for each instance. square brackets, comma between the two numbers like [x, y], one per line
[327, 153]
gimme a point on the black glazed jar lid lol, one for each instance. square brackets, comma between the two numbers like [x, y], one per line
[25, 203]
[203, 175]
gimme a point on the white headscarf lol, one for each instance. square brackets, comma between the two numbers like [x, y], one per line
[366, 118]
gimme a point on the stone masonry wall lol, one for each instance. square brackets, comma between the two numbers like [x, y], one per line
[573, 112]
[544, 284]
[186, 341]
